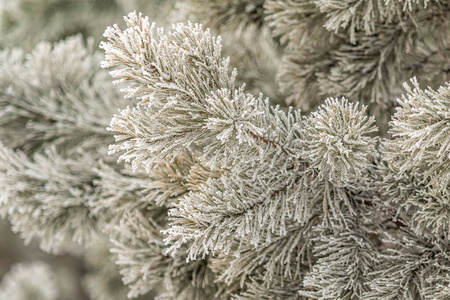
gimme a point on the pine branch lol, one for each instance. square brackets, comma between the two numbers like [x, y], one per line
[345, 257]
[235, 16]
[410, 269]
[43, 198]
[416, 168]
[46, 99]
[144, 265]
[29, 281]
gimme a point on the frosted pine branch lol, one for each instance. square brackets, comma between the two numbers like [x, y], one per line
[238, 198]
[245, 136]
[192, 102]
[421, 127]
[48, 99]
[411, 269]
[42, 198]
[29, 281]
[338, 142]
[345, 258]
[140, 252]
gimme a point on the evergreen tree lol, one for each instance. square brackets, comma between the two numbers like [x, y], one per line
[336, 186]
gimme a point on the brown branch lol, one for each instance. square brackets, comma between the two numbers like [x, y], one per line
[270, 142]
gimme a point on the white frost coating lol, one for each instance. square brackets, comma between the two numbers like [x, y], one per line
[29, 281]
[338, 143]
[274, 184]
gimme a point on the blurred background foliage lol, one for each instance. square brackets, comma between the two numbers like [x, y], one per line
[77, 274]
